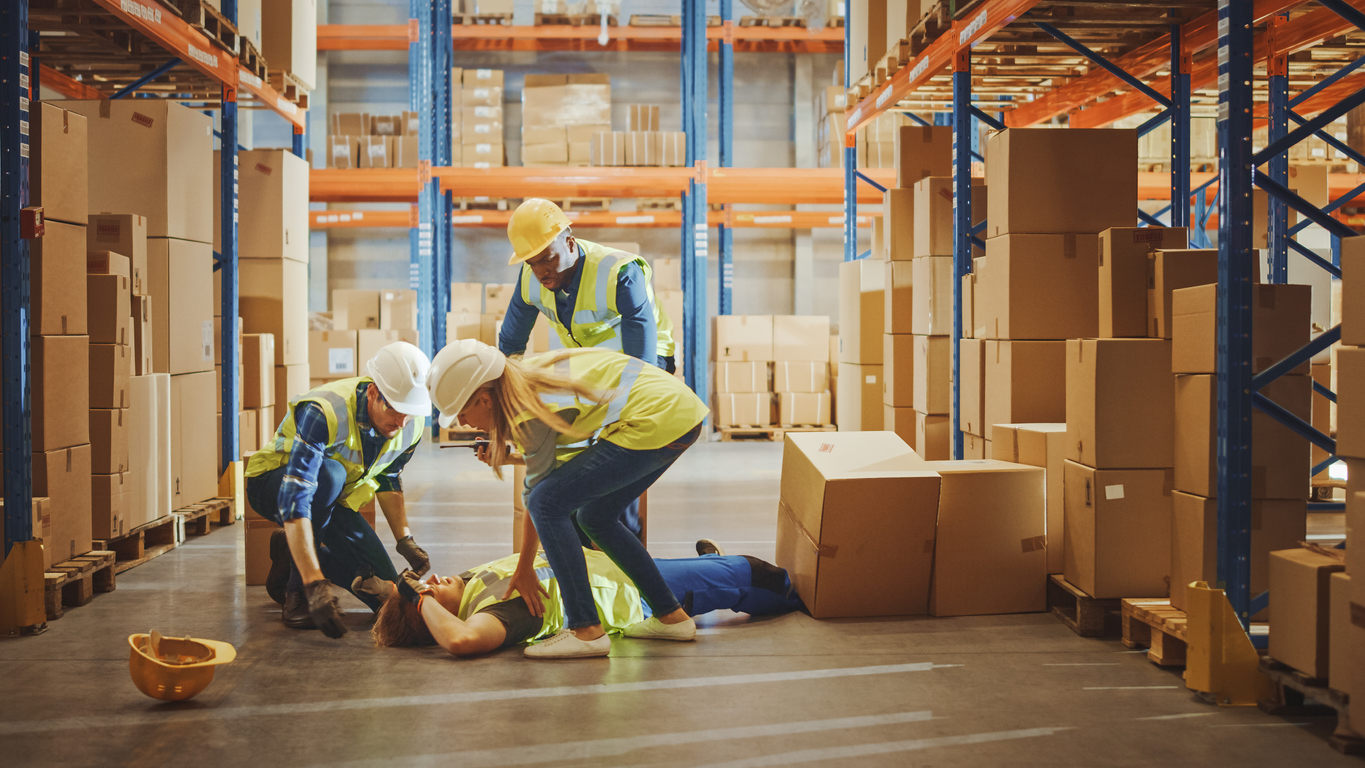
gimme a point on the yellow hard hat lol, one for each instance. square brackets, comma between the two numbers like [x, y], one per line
[533, 226]
[183, 667]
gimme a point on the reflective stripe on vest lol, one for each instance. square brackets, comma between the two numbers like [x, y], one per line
[616, 596]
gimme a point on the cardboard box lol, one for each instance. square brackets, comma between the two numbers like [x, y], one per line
[183, 303]
[194, 468]
[109, 263]
[933, 290]
[1021, 379]
[744, 409]
[1046, 181]
[933, 228]
[109, 315]
[1279, 456]
[972, 393]
[60, 390]
[642, 117]
[1169, 271]
[898, 369]
[343, 152]
[803, 408]
[354, 310]
[273, 205]
[1038, 445]
[858, 400]
[274, 300]
[544, 154]
[373, 152]
[266, 425]
[258, 379]
[332, 355]
[290, 382]
[1280, 323]
[369, 342]
[1350, 389]
[799, 377]
[742, 378]
[1038, 287]
[1275, 524]
[1300, 581]
[63, 475]
[608, 149]
[933, 373]
[898, 225]
[641, 149]
[743, 338]
[111, 365]
[933, 437]
[124, 234]
[108, 505]
[1126, 255]
[801, 338]
[899, 299]
[289, 38]
[248, 434]
[974, 447]
[1352, 286]
[57, 291]
[483, 154]
[143, 345]
[900, 420]
[866, 493]
[464, 297]
[398, 310]
[155, 158]
[148, 424]
[1120, 404]
[1117, 530]
[990, 555]
[923, 151]
[1339, 624]
[41, 522]
[350, 123]
[108, 441]
[58, 175]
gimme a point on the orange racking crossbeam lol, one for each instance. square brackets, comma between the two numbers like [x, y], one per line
[72, 89]
[363, 37]
[593, 219]
[394, 37]
[378, 185]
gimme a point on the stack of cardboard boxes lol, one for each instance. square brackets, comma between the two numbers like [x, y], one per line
[258, 414]
[476, 140]
[288, 35]
[109, 319]
[362, 323]
[771, 369]
[560, 115]
[641, 144]
[667, 281]
[364, 140]
[467, 318]
[829, 124]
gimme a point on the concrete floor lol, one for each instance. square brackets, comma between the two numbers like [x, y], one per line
[1005, 690]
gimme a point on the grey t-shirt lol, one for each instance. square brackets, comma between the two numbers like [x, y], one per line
[538, 440]
[516, 617]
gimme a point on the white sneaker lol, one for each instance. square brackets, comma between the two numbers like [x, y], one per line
[653, 629]
[565, 645]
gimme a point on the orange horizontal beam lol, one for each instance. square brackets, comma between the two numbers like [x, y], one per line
[72, 89]
[594, 219]
[363, 37]
[362, 219]
[369, 185]
[395, 37]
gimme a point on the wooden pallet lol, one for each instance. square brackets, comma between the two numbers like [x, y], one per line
[1153, 624]
[144, 542]
[660, 20]
[772, 21]
[75, 582]
[483, 18]
[208, 20]
[1298, 695]
[835, 21]
[930, 27]
[473, 204]
[584, 203]
[252, 61]
[574, 20]
[199, 519]
[289, 87]
[1086, 616]
[658, 204]
[764, 434]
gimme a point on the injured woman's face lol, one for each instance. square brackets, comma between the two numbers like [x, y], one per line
[448, 591]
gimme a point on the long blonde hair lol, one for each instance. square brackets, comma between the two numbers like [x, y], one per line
[518, 391]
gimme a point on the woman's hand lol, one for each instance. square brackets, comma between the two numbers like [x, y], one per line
[482, 453]
[532, 591]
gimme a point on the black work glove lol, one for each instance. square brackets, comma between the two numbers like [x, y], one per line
[324, 608]
[416, 556]
[410, 587]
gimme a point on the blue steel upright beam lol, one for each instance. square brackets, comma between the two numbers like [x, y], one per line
[695, 236]
[1182, 62]
[420, 236]
[14, 270]
[962, 219]
[227, 263]
[1235, 262]
[725, 97]
[442, 58]
[1277, 67]
[850, 165]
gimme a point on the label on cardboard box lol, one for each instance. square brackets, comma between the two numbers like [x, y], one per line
[341, 360]
[1112, 492]
[206, 338]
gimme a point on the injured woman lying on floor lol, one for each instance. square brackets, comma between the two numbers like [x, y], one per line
[474, 613]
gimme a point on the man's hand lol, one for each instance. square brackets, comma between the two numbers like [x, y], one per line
[415, 555]
[411, 587]
[532, 591]
[324, 608]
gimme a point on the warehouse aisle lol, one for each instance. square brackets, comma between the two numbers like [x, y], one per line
[1009, 690]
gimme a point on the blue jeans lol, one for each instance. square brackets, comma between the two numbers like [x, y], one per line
[598, 484]
[712, 582]
[345, 542]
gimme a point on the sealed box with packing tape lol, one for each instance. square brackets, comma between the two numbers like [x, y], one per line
[1118, 530]
[1038, 445]
[1038, 287]
[932, 286]
[1120, 412]
[1169, 271]
[743, 338]
[741, 377]
[1280, 321]
[799, 376]
[803, 408]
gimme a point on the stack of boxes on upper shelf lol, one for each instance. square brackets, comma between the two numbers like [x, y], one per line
[772, 370]
[364, 140]
[560, 115]
[362, 322]
[476, 137]
[641, 144]
[830, 102]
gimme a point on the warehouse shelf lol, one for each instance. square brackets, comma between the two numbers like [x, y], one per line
[648, 219]
[494, 37]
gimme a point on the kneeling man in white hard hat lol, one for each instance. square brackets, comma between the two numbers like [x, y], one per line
[339, 446]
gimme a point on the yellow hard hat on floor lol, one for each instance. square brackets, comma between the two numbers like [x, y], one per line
[178, 668]
[533, 226]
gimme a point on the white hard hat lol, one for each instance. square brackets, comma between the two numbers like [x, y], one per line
[400, 371]
[460, 368]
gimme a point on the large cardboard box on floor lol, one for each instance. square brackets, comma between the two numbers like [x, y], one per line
[933, 291]
[289, 38]
[274, 300]
[181, 276]
[990, 553]
[194, 468]
[1300, 583]
[1275, 524]
[332, 355]
[57, 292]
[972, 393]
[1125, 265]
[1279, 456]
[898, 370]
[1038, 287]
[922, 151]
[1120, 403]
[273, 200]
[1021, 382]
[744, 409]
[59, 367]
[1280, 321]
[1050, 181]
[63, 476]
[862, 291]
[58, 178]
[933, 373]
[801, 338]
[1169, 271]
[854, 504]
[859, 398]
[153, 158]
[1117, 530]
[122, 233]
[1038, 445]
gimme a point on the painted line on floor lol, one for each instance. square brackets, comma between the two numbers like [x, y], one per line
[1085, 664]
[882, 748]
[460, 518]
[1139, 650]
[1177, 717]
[472, 697]
[1131, 688]
[1260, 725]
[602, 748]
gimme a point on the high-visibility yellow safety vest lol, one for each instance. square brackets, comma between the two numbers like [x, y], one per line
[596, 320]
[616, 596]
[645, 408]
[339, 404]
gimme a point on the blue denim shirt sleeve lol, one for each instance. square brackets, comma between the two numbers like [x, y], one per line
[300, 482]
[389, 480]
[639, 335]
[516, 326]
